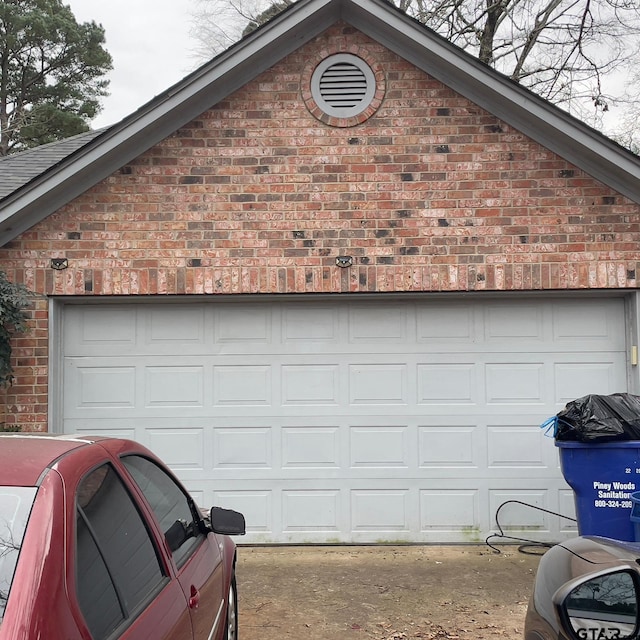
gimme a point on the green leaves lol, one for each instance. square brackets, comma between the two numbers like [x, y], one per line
[51, 73]
[14, 299]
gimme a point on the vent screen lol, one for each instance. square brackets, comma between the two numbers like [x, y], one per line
[343, 85]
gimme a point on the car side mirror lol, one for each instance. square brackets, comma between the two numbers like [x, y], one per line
[600, 607]
[227, 522]
[177, 534]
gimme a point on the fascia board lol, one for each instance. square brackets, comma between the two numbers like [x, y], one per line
[552, 127]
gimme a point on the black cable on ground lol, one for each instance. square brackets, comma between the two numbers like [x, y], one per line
[540, 547]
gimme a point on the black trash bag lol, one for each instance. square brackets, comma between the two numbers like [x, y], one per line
[596, 418]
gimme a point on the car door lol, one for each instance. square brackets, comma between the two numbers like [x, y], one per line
[124, 586]
[196, 554]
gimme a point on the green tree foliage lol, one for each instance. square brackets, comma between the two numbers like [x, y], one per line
[51, 73]
[14, 299]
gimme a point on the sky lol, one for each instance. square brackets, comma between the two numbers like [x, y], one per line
[150, 45]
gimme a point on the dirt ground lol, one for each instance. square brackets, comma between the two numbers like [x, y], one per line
[384, 592]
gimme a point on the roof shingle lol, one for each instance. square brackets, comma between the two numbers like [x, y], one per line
[18, 169]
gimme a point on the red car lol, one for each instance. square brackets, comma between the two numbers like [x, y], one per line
[98, 540]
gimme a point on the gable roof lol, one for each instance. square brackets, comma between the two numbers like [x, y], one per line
[71, 175]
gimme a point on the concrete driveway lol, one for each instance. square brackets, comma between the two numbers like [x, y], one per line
[384, 592]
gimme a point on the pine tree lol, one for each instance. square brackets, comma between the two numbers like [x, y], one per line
[52, 73]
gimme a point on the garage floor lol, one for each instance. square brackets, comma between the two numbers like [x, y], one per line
[384, 592]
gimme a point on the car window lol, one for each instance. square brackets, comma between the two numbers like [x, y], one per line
[174, 510]
[117, 568]
[15, 507]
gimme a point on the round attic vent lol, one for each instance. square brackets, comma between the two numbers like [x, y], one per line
[343, 85]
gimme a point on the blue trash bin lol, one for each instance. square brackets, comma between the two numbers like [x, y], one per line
[603, 476]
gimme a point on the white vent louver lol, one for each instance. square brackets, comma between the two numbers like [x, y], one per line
[343, 85]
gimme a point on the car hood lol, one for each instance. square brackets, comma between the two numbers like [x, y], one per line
[569, 561]
[601, 551]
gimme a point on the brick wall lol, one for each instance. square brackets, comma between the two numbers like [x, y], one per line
[431, 193]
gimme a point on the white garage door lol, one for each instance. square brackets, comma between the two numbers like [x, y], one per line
[383, 420]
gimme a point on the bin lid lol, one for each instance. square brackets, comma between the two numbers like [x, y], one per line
[617, 444]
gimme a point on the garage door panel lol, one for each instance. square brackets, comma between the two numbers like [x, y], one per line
[381, 510]
[459, 512]
[454, 447]
[243, 323]
[521, 324]
[515, 447]
[174, 386]
[317, 384]
[88, 327]
[242, 385]
[516, 517]
[191, 453]
[452, 510]
[576, 379]
[587, 325]
[349, 421]
[175, 324]
[372, 324]
[512, 382]
[378, 383]
[380, 447]
[305, 325]
[305, 448]
[243, 448]
[446, 324]
[98, 387]
[446, 382]
[318, 510]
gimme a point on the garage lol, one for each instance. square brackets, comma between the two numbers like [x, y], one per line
[385, 419]
[347, 325]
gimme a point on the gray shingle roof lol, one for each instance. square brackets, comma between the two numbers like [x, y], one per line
[18, 169]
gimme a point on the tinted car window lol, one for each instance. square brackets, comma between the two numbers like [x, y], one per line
[15, 507]
[117, 567]
[174, 510]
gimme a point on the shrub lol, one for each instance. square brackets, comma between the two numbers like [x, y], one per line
[14, 299]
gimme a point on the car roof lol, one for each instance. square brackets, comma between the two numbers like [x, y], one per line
[23, 457]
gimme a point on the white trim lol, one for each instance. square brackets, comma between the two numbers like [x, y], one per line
[216, 622]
